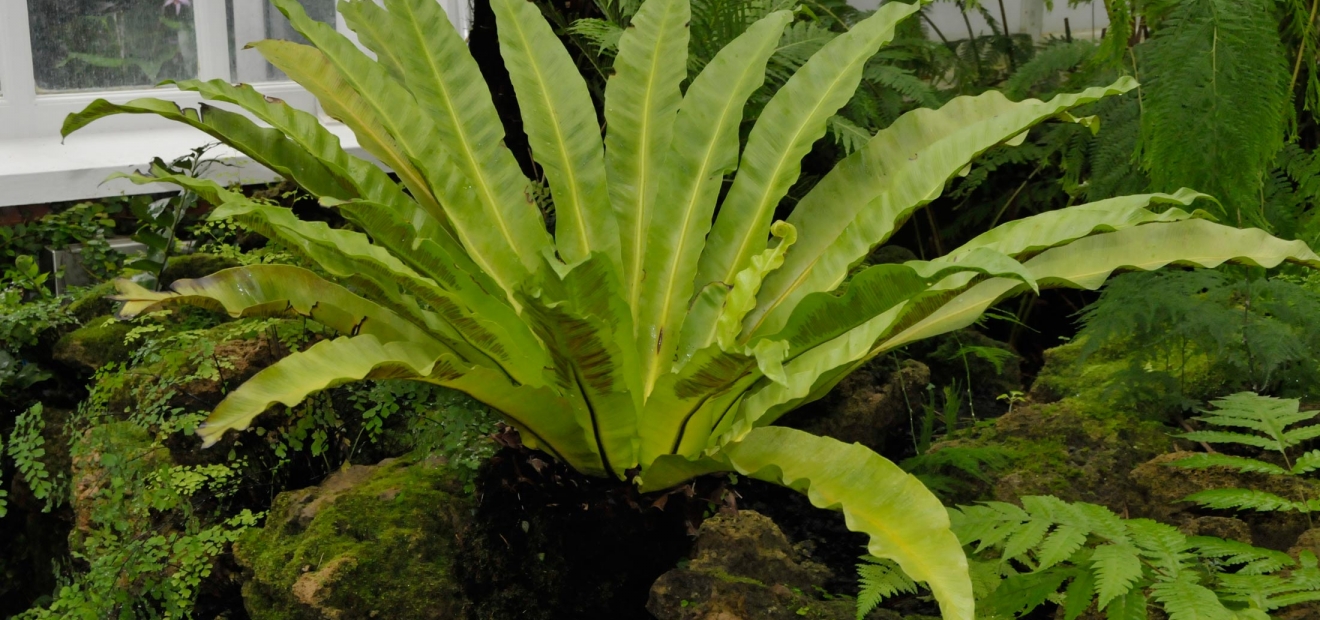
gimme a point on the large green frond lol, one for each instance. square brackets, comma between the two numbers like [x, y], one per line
[446, 82]
[641, 102]
[265, 146]
[326, 364]
[276, 290]
[561, 125]
[795, 118]
[906, 523]
[583, 319]
[864, 199]
[704, 149]
[1088, 262]
[312, 69]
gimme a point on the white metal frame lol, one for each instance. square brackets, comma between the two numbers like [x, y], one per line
[36, 166]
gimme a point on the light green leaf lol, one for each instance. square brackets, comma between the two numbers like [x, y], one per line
[906, 523]
[440, 73]
[1241, 464]
[304, 128]
[641, 103]
[326, 364]
[820, 317]
[276, 290]
[312, 69]
[864, 199]
[561, 126]
[794, 119]
[746, 284]
[267, 147]
[1116, 568]
[582, 318]
[1087, 263]
[704, 149]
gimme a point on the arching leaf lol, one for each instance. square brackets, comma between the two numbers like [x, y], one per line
[705, 148]
[794, 119]
[905, 521]
[869, 194]
[642, 100]
[326, 364]
[276, 290]
[561, 125]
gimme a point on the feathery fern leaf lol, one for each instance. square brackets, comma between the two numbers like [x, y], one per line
[1219, 62]
[879, 580]
[1244, 499]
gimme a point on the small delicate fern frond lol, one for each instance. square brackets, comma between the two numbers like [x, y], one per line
[904, 82]
[1265, 415]
[1307, 463]
[1241, 464]
[1162, 545]
[1244, 499]
[1227, 437]
[1048, 63]
[1117, 568]
[1060, 545]
[880, 579]
[604, 34]
[847, 134]
[1253, 560]
[1185, 599]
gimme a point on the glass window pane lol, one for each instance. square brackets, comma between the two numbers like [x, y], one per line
[107, 44]
[255, 20]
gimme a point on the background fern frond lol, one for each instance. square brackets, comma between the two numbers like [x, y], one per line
[1241, 464]
[1117, 569]
[1243, 499]
[1219, 62]
[880, 579]
[1253, 560]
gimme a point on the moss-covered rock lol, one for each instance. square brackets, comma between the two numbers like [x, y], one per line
[1160, 490]
[370, 542]
[93, 302]
[744, 568]
[191, 266]
[866, 405]
[94, 345]
[1075, 438]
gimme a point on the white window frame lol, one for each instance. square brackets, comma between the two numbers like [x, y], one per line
[37, 166]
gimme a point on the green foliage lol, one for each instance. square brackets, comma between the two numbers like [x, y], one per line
[1189, 332]
[1258, 422]
[880, 579]
[86, 223]
[1079, 555]
[160, 221]
[945, 471]
[1220, 62]
[27, 449]
[664, 325]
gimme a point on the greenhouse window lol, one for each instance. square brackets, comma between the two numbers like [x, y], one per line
[56, 56]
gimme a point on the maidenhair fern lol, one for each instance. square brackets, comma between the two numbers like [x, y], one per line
[26, 448]
[1263, 423]
[1215, 101]
[1079, 556]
